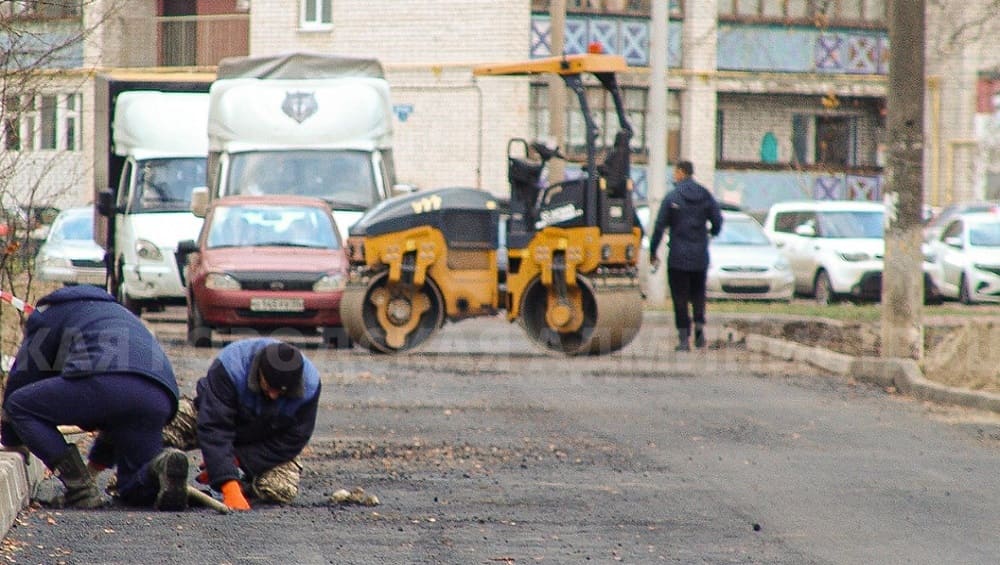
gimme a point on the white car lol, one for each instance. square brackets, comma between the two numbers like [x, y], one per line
[966, 257]
[835, 248]
[745, 263]
[70, 255]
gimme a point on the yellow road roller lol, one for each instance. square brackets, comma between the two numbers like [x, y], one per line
[560, 259]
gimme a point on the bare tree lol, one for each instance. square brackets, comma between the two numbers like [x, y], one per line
[42, 161]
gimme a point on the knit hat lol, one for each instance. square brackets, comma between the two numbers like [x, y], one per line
[281, 366]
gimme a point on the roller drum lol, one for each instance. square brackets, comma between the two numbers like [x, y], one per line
[611, 318]
[389, 317]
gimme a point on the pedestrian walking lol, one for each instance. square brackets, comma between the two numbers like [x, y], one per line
[690, 213]
[255, 411]
[86, 361]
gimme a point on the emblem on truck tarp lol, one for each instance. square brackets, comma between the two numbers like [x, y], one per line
[299, 105]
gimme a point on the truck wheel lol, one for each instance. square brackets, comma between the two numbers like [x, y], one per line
[130, 304]
[198, 334]
[336, 337]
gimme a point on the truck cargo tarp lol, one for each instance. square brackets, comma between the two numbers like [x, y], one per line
[297, 66]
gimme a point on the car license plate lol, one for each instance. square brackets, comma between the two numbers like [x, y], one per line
[277, 304]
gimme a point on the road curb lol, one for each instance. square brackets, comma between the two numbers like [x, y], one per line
[903, 374]
[17, 482]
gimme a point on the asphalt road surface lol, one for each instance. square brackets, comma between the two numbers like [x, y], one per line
[483, 449]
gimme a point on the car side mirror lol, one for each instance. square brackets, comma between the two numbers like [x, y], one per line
[199, 201]
[106, 203]
[953, 241]
[805, 230]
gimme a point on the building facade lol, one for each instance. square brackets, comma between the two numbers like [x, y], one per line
[771, 99]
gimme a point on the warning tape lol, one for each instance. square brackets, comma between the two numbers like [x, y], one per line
[16, 302]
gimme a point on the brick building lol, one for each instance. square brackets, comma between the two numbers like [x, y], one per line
[771, 99]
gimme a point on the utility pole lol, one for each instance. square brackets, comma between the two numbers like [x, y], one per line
[557, 90]
[656, 169]
[902, 277]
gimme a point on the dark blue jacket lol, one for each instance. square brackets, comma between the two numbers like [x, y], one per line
[81, 332]
[236, 421]
[687, 211]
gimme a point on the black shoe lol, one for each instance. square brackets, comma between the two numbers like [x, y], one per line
[170, 468]
[699, 338]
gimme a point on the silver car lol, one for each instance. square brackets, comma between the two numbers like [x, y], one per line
[70, 255]
[745, 263]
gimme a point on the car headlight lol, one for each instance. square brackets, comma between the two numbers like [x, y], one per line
[854, 256]
[221, 281]
[59, 262]
[330, 283]
[147, 250]
[781, 265]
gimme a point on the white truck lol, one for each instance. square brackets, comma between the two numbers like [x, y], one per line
[306, 124]
[158, 155]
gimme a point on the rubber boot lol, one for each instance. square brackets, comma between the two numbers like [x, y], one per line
[683, 335]
[170, 469]
[81, 489]
[699, 336]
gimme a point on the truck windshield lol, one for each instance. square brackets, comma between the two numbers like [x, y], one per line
[165, 185]
[343, 178]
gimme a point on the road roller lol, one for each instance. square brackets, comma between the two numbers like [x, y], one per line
[560, 259]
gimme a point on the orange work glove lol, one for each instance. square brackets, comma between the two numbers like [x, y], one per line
[232, 496]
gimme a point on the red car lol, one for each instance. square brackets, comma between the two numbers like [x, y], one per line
[266, 263]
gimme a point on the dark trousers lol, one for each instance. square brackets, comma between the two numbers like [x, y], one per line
[129, 411]
[687, 288]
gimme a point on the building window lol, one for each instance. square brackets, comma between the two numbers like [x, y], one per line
[813, 12]
[33, 9]
[317, 14]
[42, 122]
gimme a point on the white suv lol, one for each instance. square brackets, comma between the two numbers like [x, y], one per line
[834, 247]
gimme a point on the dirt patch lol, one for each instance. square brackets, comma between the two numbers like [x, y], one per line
[956, 353]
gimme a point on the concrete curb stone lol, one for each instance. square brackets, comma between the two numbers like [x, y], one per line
[903, 374]
[17, 482]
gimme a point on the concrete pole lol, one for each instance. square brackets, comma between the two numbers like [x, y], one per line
[902, 278]
[656, 170]
[557, 90]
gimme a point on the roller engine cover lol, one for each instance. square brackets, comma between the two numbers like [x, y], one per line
[467, 217]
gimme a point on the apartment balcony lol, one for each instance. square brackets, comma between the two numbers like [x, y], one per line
[201, 40]
[603, 7]
[175, 41]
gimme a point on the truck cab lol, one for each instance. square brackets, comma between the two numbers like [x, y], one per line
[161, 138]
[304, 124]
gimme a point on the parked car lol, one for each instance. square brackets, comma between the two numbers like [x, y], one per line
[69, 253]
[265, 262]
[745, 263]
[966, 256]
[934, 227]
[835, 248]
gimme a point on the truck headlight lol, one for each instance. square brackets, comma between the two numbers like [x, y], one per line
[330, 283]
[147, 250]
[221, 281]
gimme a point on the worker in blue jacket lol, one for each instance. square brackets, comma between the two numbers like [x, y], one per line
[692, 215]
[87, 361]
[256, 411]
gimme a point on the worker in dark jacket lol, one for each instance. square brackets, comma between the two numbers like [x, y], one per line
[256, 410]
[691, 213]
[86, 361]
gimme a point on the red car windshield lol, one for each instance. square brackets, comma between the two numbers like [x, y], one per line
[281, 226]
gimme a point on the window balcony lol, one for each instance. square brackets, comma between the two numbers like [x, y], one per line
[201, 40]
